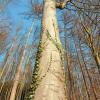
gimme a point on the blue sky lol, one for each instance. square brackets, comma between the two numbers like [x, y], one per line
[14, 11]
[17, 11]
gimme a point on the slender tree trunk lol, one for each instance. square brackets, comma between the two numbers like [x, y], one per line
[88, 75]
[68, 66]
[94, 49]
[81, 68]
[19, 69]
[96, 56]
[48, 81]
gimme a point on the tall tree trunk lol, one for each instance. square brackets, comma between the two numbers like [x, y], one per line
[19, 69]
[48, 81]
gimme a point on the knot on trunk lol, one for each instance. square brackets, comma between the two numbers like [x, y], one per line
[60, 5]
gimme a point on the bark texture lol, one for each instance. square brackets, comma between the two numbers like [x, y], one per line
[48, 81]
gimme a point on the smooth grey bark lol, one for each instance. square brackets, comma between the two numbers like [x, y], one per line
[52, 86]
[48, 81]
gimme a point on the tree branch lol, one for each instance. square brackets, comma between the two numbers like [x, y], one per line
[61, 4]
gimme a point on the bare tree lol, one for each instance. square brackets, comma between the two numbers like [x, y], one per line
[48, 79]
